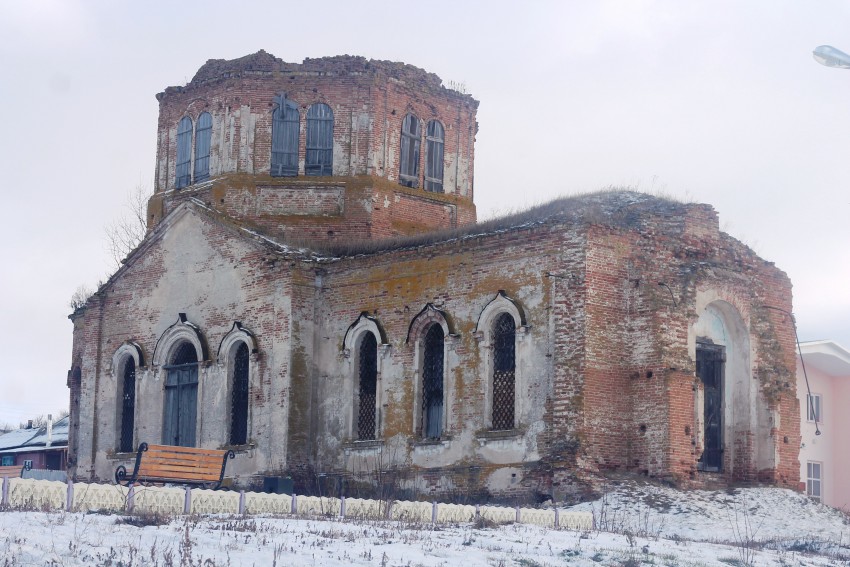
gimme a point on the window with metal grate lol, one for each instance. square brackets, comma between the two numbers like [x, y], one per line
[432, 383]
[239, 397]
[367, 393]
[128, 406]
[504, 372]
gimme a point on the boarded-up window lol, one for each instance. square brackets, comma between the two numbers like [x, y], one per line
[320, 140]
[184, 153]
[181, 397]
[128, 406]
[367, 392]
[432, 383]
[435, 137]
[239, 397]
[504, 372]
[285, 122]
[203, 136]
[408, 173]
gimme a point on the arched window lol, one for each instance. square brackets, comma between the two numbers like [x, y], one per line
[285, 122]
[320, 140]
[184, 153]
[409, 161]
[435, 137]
[128, 406]
[239, 397]
[367, 386]
[504, 368]
[181, 396]
[432, 383]
[203, 137]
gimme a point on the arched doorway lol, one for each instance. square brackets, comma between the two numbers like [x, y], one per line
[181, 397]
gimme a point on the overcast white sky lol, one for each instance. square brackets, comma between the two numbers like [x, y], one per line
[717, 102]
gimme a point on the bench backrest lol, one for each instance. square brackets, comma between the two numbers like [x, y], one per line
[11, 471]
[190, 464]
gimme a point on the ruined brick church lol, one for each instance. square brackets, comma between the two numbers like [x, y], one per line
[314, 292]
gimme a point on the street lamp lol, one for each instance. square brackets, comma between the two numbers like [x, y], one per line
[831, 57]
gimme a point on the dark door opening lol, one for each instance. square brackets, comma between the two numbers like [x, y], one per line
[710, 359]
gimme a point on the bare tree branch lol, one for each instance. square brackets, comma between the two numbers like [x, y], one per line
[127, 231]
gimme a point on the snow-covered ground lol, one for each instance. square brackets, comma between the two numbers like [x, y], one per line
[639, 524]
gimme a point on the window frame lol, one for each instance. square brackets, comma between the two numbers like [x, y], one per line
[226, 357]
[501, 304]
[410, 142]
[812, 480]
[435, 157]
[814, 415]
[416, 335]
[203, 143]
[129, 351]
[290, 123]
[183, 157]
[319, 141]
[364, 324]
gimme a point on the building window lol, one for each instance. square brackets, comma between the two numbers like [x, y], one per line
[203, 136]
[367, 362]
[814, 480]
[7, 460]
[184, 153]
[239, 397]
[128, 406]
[320, 140]
[181, 397]
[504, 368]
[285, 124]
[814, 407]
[432, 383]
[409, 162]
[434, 137]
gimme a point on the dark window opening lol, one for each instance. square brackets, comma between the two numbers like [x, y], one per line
[181, 397]
[504, 372]
[184, 153]
[285, 123]
[710, 360]
[239, 398]
[320, 140]
[368, 387]
[203, 137]
[128, 406]
[432, 383]
[434, 157]
[409, 161]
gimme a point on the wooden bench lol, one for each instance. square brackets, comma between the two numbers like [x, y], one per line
[12, 471]
[179, 465]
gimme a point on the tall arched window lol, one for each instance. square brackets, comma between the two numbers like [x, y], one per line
[128, 406]
[435, 137]
[432, 383]
[285, 122]
[184, 153]
[320, 140]
[367, 391]
[408, 173]
[239, 397]
[504, 369]
[203, 136]
[181, 397]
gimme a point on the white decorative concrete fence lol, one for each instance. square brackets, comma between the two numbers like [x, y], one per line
[82, 497]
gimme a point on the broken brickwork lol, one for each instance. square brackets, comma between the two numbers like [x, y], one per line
[612, 295]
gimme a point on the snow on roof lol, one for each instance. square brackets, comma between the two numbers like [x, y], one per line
[28, 439]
